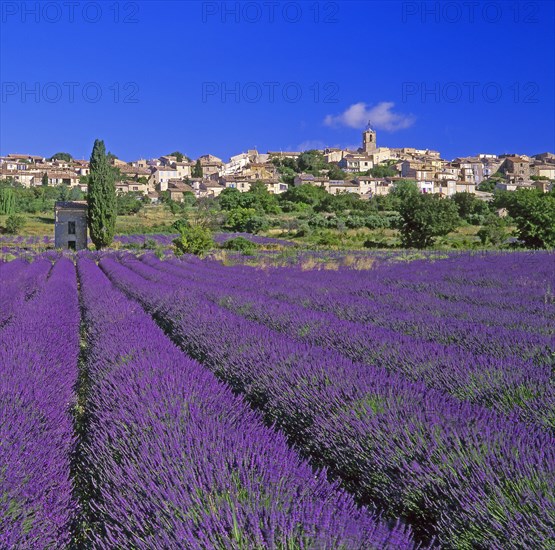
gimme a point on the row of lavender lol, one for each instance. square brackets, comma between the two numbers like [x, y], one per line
[350, 295]
[510, 385]
[471, 476]
[178, 461]
[167, 456]
[39, 347]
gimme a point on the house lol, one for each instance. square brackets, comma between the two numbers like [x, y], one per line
[334, 155]
[134, 172]
[209, 188]
[544, 185]
[29, 159]
[141, 163]
[275, 187]
[176, 190]
[153, 197]
[70, 229]
[58, 177]
[259, 171]
[284, 154]
[369, 186]
[235, 182]
[543, 170]
[446, 187]
[127, 186]
[516, 169]
[184, 169]
[23, 177]
[335, 187]
[356, 162]
[302, 179]
[160, 177]
[168, 160]
[210, 165]
[236, 163]
[118, 162]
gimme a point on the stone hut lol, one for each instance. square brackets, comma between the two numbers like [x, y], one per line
[70, 225]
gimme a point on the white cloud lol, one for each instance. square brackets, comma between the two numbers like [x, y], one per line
[381, 117]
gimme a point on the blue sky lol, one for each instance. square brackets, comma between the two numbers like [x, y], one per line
[223, 77]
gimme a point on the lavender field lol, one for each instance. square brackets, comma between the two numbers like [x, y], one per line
[181, 403]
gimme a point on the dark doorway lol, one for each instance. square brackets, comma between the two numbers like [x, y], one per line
[71, 244]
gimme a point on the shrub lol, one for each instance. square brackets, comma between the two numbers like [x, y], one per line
[240, 244]
[14, 224]
[246, 220]
[194, 240]
[150, 244]
[494, 231]
[376, 222]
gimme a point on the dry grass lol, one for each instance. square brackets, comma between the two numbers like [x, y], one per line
[364, 263]
[308, 264]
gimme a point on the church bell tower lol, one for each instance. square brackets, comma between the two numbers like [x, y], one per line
[368, 140]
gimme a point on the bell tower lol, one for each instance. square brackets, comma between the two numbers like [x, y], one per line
[368, 139]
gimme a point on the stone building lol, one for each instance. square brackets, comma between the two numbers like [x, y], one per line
[368, 140]
[70, 229]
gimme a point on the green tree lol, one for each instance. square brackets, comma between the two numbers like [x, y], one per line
[44, 180]
[193, 239]
[197, 170]
[245, 220]
[382, 171]
[62, 156]
[232, 198]
[287, 169]
[306, 193]
[129, 203]
[425, 217]
[76, 194]
[487, 186]
[494, 231]
[7, 201]
[179, 156]
[312, 161]
[470, 207]
[63, 192]
[262, 199]
[335, 173]
[533, 213]
[101, 191]
[14, 224]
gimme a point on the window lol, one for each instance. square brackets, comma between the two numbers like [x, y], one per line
[71, 228]
[71, 245]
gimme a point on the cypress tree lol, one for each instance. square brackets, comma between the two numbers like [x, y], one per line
[7, 201]
[101, 190]
[44, 180]
[197, 170]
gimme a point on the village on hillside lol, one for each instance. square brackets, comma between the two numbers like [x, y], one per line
[367, 172]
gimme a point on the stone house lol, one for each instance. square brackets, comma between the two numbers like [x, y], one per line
[356, 162]
[342, 186]
[516, 169]
[70, 229]
[160, 177]
[176, 190]
[211, 165]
